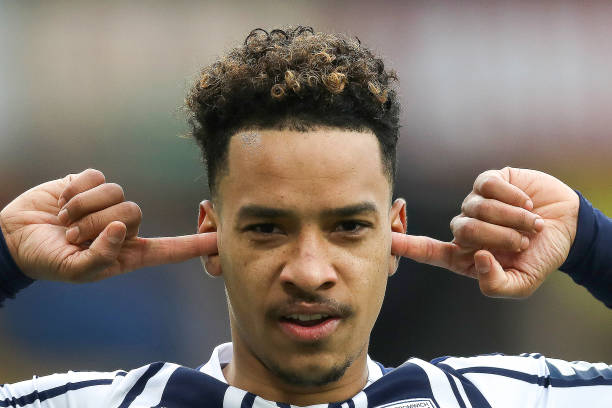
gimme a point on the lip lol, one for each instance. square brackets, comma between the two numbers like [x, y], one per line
[309, 334]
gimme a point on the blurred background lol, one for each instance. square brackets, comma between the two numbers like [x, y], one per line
[483, 84]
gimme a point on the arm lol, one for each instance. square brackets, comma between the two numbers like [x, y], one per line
[81, 229]
[590, 259]
[516, 227]
[35, 243]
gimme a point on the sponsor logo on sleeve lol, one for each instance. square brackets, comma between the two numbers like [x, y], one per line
[411, 403]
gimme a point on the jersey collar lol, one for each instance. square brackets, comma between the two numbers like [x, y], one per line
[223, 353]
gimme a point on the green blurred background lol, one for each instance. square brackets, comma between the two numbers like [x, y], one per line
[483, 85]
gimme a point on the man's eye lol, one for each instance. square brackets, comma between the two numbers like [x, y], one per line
[264, 228]
[350, 226]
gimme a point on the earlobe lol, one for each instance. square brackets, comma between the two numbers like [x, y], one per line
[207, 222]
[398, 225]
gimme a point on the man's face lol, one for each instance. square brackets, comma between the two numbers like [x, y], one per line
[304, 231]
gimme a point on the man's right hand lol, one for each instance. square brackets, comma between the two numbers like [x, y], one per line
[81, 229]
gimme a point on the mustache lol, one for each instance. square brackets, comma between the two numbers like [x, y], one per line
[311, 300]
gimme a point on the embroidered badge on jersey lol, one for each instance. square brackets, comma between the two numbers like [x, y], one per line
[411, 403]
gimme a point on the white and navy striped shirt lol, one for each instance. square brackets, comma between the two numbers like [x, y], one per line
[528, 380]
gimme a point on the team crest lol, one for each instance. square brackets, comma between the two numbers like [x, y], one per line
[411, 403]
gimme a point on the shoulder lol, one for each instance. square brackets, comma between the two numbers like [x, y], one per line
[143, 386]
[463, 381]
[517, 366]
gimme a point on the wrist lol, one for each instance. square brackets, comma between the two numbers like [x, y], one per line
[8, 244]
[12, 279]
[582, 235]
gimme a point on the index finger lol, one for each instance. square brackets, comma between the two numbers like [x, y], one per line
[423, 249]
[491, 184]
[160, 251]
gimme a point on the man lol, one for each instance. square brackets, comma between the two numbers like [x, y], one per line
[299, 131]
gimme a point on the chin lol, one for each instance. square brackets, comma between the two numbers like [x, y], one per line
[310, 374]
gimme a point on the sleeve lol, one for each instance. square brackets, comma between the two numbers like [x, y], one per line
[12, 280]
[68, 390]
[589, 262]
[532, 380]
[141, 387]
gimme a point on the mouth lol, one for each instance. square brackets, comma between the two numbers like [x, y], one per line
[309, 327]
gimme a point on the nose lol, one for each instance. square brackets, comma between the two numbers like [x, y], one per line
[309, 268]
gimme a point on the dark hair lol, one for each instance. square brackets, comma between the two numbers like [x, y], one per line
[294, 79]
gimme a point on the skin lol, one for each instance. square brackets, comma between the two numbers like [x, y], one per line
[308, 253]
[270, 260]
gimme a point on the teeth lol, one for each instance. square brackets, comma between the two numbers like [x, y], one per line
[307, 317]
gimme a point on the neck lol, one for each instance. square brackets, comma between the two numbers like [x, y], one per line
[247, 372]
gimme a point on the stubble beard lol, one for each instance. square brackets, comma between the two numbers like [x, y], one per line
[306, 378]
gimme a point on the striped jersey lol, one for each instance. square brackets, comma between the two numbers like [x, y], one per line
[497, 380]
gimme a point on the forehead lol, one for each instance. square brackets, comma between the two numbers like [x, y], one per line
[326, 167]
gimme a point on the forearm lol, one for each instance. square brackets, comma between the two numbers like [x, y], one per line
[589, 262]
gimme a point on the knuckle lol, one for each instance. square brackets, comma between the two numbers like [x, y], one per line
[468, 205]
[88, 225]
[487, 184]
[482, 208]
[468, 230]
[512, 241]
[69, 178]
[465, 205]
[68, 192]
[132, 210]
[95, 175]
[453, 223]
[116, 190]
[524, 218]
[483, 178]
[464, 230]
[75, 205]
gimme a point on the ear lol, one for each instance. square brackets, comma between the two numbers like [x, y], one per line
[399, 225]
[207, 222]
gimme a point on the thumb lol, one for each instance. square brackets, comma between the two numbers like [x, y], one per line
[423, 249]
[102, 254]
[492, 279]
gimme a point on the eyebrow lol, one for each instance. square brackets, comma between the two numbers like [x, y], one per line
[258, 211]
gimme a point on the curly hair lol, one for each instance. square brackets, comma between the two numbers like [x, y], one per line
[293, 78]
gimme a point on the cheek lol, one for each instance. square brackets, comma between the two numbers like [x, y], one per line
[369, 278]
[248, 276]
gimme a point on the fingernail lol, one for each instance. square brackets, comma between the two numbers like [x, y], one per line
[63, 217]
[483, 267]
[116, 237]
[528, 205]
[72, 234]
[538, 225]
[524, 243]
[61, 202]
[113, 239]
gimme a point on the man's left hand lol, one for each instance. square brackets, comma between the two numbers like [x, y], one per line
[516, 227]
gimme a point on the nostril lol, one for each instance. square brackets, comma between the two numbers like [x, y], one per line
[327, 285]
